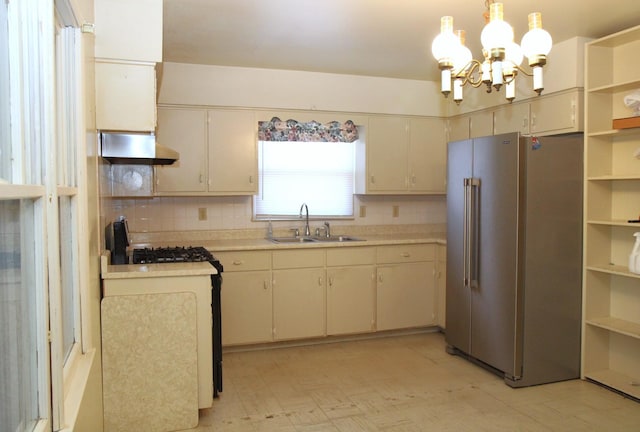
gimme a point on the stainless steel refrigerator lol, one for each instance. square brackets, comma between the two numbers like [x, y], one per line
[514, 255]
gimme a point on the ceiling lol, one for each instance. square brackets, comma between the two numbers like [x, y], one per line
[382, 38]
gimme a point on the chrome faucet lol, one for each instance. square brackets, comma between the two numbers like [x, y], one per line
[327, 229]
[307, 230]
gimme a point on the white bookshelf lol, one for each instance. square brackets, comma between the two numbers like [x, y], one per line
[611, 293]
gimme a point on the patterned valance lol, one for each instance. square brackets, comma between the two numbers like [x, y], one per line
[291, 130]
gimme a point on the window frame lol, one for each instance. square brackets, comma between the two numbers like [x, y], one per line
[294, 215]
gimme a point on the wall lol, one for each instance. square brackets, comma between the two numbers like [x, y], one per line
[181, 213]
[188, 84]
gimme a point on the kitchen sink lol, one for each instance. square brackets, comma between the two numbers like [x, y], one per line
[338, 238]
[291, 239]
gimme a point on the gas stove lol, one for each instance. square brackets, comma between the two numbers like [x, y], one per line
[174, 255]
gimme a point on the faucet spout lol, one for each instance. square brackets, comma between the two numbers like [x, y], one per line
[307, 230]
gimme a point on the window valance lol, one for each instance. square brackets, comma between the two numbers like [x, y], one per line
[292, 130]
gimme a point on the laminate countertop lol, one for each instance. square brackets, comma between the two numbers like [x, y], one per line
[265, 244]
[133, 271]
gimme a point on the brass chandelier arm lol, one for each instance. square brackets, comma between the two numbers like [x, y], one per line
[471, 73]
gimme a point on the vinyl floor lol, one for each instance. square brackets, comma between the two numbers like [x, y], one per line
[401, 383]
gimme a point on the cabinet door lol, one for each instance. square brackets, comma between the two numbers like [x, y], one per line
[441, 286]
[387, 154]
[458, 128]
[561, 113]
[298, 303]
[427, 155]
[125, 97]
[233, 161]
[480, 124]
[183, 130]
[246, 307]
[511, 118]
[405, 295]
[350, 299]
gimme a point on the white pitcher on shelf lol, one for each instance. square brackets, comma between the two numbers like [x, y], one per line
[634, 258]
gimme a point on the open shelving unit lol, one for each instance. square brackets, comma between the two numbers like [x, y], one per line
[611, 293]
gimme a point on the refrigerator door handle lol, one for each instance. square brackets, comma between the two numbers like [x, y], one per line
[466, 256]
[473, 241]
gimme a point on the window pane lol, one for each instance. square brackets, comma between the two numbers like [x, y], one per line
[66, 220]
[319, 174]
[5, 135]
[18, 378]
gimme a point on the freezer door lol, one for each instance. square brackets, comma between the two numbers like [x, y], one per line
[494, 294]
[457, 318]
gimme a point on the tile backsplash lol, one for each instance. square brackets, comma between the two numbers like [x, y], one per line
[220, 213]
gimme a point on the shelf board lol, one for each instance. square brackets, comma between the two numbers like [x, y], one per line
[614, 177]
[617, 325]
[615, 87]
[616, 380]
[617, 222]
[614, 132]
[613, 269]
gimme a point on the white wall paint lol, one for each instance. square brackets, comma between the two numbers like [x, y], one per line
[190, 84]
[181, 213]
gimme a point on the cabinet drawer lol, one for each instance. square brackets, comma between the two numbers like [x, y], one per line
[351, 256]
[244, 261]
[298, 258]
[406, 253]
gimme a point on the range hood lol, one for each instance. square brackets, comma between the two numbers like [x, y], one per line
[135, 148]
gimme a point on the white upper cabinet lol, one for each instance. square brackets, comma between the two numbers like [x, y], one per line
[217, 149]
[128, 44]
[129, 30]
[183, 130]
[558, 113]
[125, 96]
[405, 156]
[480, 124]
[511, 118]
[458, 128]
[233, 156]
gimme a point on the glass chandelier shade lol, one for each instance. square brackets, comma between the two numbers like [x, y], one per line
[502, 56]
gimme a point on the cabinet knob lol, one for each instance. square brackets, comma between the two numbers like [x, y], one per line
[238, 262]
[250, 179]
[405, 254]
[264, 285]
[320, 281]
[373, 179]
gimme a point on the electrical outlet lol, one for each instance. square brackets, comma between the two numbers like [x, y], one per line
[202, 214]
[363, 211]
[396, 211]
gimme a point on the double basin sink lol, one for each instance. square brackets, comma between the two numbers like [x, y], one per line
[317, 239]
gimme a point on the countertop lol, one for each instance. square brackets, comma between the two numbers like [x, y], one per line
[265, 244]
[132, 271]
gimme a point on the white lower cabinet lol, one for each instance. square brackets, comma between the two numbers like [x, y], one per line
[246, 297]
[298, 294]
[246, 308]
[405, 287]
[441, 285]
[288, 294]
[351, 290]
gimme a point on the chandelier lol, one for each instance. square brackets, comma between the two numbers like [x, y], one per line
[502, 56]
